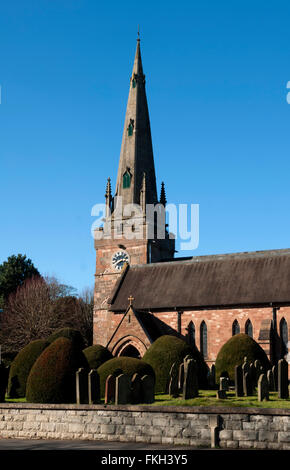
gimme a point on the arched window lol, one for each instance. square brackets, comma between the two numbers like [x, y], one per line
[249, 328]
[236, 328]
[203, 339]
[284, 336]
[126, 179]
[191, 333]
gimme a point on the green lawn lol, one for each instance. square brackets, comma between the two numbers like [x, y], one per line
[208, 398]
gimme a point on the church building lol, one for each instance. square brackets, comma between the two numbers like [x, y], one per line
[143, 292]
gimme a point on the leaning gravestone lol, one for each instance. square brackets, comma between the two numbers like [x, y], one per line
[123, 389]
[136, 389]
[190, 385]
[270, 378]
[247, 384]
[173, 380]
[147, 389]
[263, 389]
[110, 389]
[81, 386]
[283, 387]
[94, 387]
[246, 366]
[239, 381]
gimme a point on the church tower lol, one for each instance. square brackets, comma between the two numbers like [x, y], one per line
[129, 235]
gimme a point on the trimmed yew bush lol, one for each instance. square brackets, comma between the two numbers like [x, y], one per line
[123, 365]
[69, 333]
[169, 349]
[52, 377]
[96, 355]
[233, 353]
[21, 366]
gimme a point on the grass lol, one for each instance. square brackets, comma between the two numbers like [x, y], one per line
[208, 398]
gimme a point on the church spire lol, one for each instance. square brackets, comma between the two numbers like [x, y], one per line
[136, 157]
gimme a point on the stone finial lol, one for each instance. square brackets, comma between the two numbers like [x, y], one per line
[163, 200]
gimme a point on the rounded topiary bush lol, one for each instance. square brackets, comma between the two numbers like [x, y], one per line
[96, 355]
[21, 366]
[71, 333]
[52, 377]
[123, 365]
[169, 349]
[233, 353]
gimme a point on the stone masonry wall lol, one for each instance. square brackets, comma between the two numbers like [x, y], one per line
[247, 428]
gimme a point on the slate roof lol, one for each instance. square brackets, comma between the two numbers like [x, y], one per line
[238, 279]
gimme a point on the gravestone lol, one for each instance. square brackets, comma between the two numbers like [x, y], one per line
[224, 383]
[94, 387]
[181, 377]
[173, 380]
[275, 376]
[263, 389]
[246, 366]
[239, 381]
[110, 388]
[247, 384]
[270, 378]
[283, 387]
[211, 376]
[147, 389]
[221, 394]
[81, 386]
[136, 389]
[190, 385]
[4, 373]
[252, 372]
[123, 390]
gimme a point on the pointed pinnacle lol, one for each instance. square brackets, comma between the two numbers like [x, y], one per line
[163, 200]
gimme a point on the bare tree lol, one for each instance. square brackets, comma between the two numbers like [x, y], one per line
[39, 307]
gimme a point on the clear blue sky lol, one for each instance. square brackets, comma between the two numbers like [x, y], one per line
[216, 85]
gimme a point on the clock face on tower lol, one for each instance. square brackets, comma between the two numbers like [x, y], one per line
[119, 258]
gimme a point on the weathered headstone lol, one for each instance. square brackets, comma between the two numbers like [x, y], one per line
[252, 372]
[81, 386]
[147, 389]
[263, 389]
[224, 383]
[246, 366]
[123, 389]
[239, 381]
[181, 377]
[270, 378]
[136, 389]
[173, 381]
[4, 372]
[94, 386]
[110, 388]
[275, 376]
[283, 386]
[211, 376]
[221, 394]
[190, 385]
[247, 384]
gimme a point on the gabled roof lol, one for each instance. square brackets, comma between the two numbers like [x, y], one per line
[250, 278]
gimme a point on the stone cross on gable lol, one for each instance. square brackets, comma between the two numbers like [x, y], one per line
[131, 298]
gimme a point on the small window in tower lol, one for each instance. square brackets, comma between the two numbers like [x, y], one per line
[130, 127]
[133, 83]
[126, 179]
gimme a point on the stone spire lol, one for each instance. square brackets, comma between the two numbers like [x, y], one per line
[136, 157]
